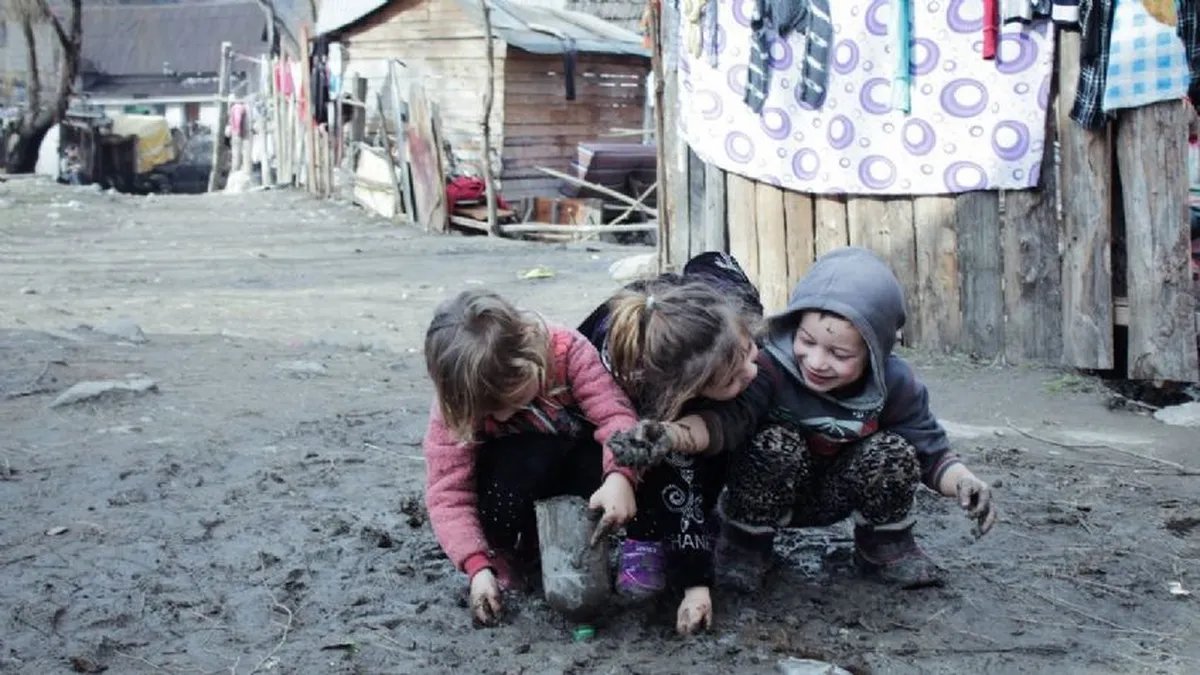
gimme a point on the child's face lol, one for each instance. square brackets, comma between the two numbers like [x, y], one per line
[735, 382]
[521, 398]
[829, 351]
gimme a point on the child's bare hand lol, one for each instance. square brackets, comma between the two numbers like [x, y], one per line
[616, 503]
[975, 497]
[695, 611]
[645, 445]
[485, 597]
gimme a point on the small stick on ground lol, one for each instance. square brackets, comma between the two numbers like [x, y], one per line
[1179, 469]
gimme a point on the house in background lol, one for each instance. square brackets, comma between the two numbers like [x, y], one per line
[561, 77]
[165, 59]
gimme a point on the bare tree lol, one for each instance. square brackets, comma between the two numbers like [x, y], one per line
[42, 112]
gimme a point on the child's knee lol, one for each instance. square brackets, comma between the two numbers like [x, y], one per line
[889, 455]
[777, 450]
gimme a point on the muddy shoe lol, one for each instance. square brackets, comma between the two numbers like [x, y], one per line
[742, 559]
[891, 554]
[641, 569]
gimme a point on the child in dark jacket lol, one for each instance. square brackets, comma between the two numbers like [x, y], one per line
[838, 426]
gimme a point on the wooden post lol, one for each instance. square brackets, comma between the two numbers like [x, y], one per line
[403, 168]
[743, 224]
[979, 258]
[305, 116]
[771, 241]
[696, 204]
[798, 209]
[1032, 268]
[675, 150]
[1151, 154]
[219, 150]
[358, 130]
[574, 573]
[938, 304]
[715, 226]
[660, 133]
[264, 124]
[1086, 180]
[387, 148]
[830, 230]
[486, 122]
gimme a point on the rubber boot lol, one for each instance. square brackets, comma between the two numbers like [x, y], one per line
[890, 554]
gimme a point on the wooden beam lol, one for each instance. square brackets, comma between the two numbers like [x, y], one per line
[798, 211]
[772, 246]
[938, 303]
[1151, 151]
[663, 239]
[743, 228]
[675, 149]
[1032, 268]
[219, 151]
[715, 228]
[981, 266]
[830, 227]
[652, 212]
[697, 183]
[1086, 179]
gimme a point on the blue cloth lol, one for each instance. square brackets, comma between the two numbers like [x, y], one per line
[1147, 62]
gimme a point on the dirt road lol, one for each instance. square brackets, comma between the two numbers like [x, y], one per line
[260, 510]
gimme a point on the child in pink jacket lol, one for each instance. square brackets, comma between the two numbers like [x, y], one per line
[523, 411]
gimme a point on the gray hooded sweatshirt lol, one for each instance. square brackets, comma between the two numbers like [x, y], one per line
[857, 285]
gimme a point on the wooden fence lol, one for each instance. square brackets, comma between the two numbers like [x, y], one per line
[1040, 275]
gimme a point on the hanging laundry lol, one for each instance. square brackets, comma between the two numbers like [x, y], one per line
[693, 32]
[991, 28]
[1025, 11]
[1189, 32]
[902, 45]
[570, 55]
[1095, 20]
[1147, 62]
[1065, 13]
[973, 124]
[335, 69]
[237, 120]
[711, 31]
[283, 78]
[779, 18]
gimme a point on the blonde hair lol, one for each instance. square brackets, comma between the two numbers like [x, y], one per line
[669, 340]
[480, 351]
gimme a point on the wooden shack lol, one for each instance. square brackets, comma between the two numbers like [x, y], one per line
[561, 77]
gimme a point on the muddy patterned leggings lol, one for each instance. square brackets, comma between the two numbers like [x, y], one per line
[777, 482]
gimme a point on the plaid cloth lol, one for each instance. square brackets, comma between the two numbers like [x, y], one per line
[1189, 31]
[1095, 18]
[1146, 60]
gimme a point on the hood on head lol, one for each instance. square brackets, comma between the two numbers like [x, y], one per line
[858, 285]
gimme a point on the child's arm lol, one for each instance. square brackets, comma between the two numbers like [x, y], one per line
[600, 398]
[716, 426]
[450, 497]
[907, 413]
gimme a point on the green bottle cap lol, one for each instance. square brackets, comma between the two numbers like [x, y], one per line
[582, 633]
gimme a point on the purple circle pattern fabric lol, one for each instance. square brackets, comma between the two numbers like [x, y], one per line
[974, 124]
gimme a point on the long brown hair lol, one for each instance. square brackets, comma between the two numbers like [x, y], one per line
[480, 351]
[668, 340]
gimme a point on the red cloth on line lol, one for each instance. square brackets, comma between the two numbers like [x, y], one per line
[991, 28]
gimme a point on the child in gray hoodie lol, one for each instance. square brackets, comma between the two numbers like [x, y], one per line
[834, 426]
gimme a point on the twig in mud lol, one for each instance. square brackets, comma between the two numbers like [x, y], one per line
[32, 389]
[1107, 587]
[275, 604]
[1179, 469]
[1058, 602]
[135, 657]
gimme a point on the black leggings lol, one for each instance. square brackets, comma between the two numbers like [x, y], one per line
[676, 504]
[512, 472]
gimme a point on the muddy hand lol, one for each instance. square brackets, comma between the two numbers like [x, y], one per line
[642, 446]
[695, 611]
[975, 497]
[616, 504]
[485, 597]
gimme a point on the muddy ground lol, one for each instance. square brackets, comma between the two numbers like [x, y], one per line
[260, 511]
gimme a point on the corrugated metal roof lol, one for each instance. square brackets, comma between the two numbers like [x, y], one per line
[186, 39]
[342, 13]
[533, 28]
[544, 30]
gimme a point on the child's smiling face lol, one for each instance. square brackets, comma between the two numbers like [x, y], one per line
[830, 353]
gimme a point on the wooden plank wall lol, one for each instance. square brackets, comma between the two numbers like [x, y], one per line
[1020, 276]
[543, 128]
[442, 48]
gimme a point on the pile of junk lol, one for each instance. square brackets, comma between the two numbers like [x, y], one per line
[137, 154]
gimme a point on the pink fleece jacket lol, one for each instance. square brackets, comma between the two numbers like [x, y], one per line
[581, 381]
